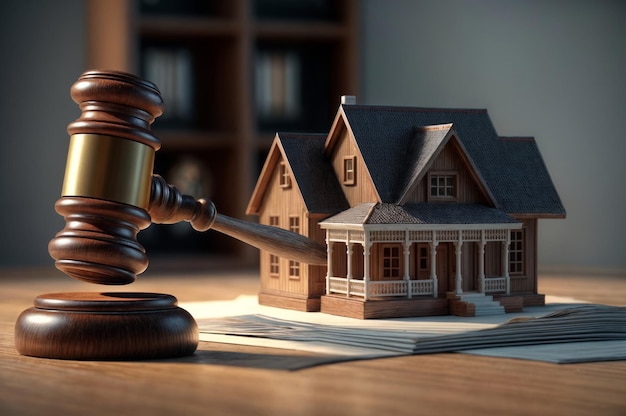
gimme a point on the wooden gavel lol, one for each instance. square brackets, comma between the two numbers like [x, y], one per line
[110, 194]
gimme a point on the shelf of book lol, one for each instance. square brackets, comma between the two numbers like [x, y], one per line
[232, 73]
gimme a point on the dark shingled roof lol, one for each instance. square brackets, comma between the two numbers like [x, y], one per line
[419, 151]
[513, 169]
[421, 213]
[355, 215]
[313, 173]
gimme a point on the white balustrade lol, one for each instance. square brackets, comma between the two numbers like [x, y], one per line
[422, 287]
[495, 284]
[356, 287]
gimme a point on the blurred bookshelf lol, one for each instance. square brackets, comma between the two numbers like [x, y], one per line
[232, 73]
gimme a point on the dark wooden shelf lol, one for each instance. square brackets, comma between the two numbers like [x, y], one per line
[284, 30]
[220, 125]
[176, 139]
[163, 26]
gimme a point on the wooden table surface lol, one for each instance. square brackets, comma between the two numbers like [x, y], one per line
[230, 380]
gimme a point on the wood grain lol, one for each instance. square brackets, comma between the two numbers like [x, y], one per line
[105, 325]
[228, 379]
[169, 206]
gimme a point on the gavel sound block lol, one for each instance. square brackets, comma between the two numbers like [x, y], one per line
[110, 194]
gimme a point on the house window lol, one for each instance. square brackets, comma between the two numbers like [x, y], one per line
[294, 224]
[391, 262]
[285, 179]
[274, 260]
[274, 265]
[274, 221]
[349, 170]
[294, 269]
[516, 252]
[294, 266]
[443, 186]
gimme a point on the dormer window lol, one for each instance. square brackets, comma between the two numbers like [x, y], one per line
[349, 170]
[285, 179]
[443, 185]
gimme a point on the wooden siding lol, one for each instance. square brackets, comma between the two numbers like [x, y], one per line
[493, 259]
[283, 203]
[316, 274]
[389, 308]
[363, 190]
[315, 232]
[339, 267]
[450, 160]
[414, 269]
[469, 266]
[357, 261]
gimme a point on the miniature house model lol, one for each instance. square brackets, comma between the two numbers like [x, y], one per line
[423, 212]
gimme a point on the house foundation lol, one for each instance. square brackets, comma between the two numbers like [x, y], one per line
[383, 308]
[289, 301]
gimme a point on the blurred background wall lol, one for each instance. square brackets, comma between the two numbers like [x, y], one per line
[553, 69]
[41, 44]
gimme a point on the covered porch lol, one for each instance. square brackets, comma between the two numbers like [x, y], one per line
[408, 260]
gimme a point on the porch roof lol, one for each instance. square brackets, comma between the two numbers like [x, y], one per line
[420, 214]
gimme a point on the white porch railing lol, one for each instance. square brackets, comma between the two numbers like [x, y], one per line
[345, 286]
[496, 285]
[402, 288]
[422, 287]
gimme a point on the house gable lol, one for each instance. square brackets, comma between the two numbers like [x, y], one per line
[390, 164]
[341, 150]
[296, 187]
[265, 179]
[277, 194]
[303, 158]
[450, 162]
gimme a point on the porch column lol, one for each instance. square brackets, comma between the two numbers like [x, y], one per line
[481, 261]
[366, 264]
[349, 266]
[458, 279]
[407, 254]
[505, 261]
[329, 262]
[433, 263]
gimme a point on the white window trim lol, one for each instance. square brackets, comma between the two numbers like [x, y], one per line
[444, 174]
[349, 180]
[284, 177]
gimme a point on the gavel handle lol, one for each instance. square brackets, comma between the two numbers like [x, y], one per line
[169, 206]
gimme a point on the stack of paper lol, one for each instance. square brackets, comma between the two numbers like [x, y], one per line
[556, 333]
[576, 324]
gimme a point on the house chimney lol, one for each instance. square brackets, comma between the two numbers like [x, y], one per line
[348, 99]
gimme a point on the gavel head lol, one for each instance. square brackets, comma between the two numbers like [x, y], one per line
[106, 190]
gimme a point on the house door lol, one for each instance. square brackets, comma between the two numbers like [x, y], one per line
[445, 274]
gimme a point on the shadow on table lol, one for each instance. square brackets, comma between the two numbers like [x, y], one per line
[210, 353]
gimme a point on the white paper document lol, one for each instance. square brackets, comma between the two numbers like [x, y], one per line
[563, 331]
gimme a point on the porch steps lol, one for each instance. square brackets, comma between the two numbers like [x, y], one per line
[483, 304]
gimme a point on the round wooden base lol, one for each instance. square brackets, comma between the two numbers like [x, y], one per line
[106, 326]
